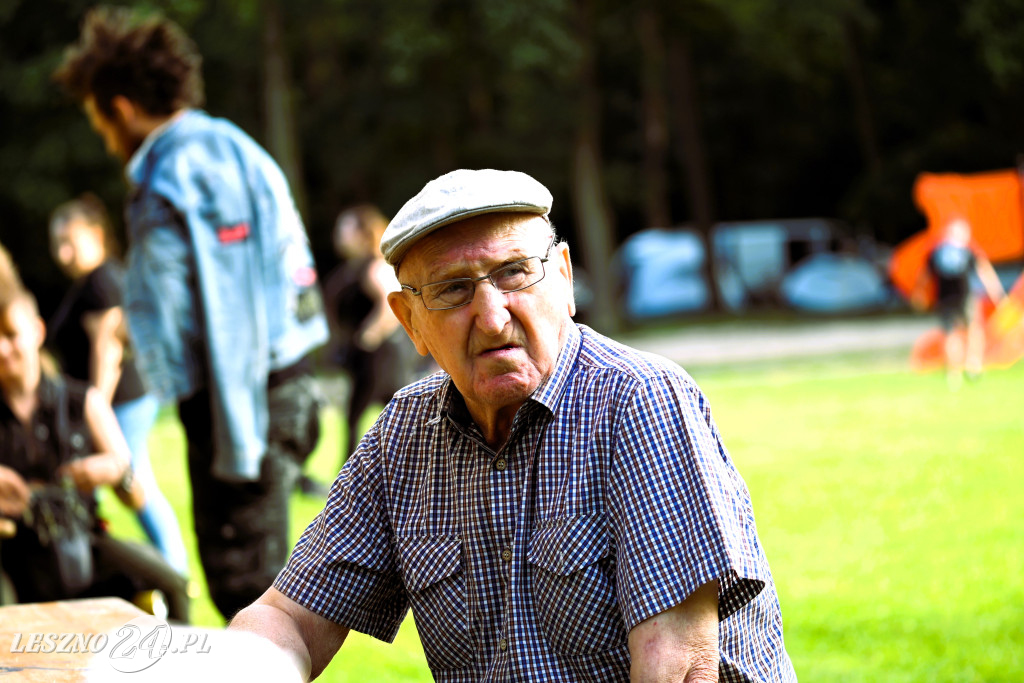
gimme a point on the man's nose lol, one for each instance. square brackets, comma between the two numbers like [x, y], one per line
[491, 307]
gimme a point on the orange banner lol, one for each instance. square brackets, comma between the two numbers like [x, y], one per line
[991, 203]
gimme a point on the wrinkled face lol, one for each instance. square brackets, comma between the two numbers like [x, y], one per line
[21, 336]
[120, 143]
[77, 246]
[499, 347]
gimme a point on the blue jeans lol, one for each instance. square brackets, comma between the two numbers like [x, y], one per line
[157, 518]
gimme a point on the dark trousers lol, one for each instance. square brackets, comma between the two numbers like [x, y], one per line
[119, 568]
[242, 527]
[126, 569]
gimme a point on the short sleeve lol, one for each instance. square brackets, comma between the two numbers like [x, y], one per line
[680, 512]
[103, 289]
[345, 565]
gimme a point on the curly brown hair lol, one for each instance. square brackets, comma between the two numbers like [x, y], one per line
[144, 57]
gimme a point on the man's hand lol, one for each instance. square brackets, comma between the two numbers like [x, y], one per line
[14, 493]
[680, 644]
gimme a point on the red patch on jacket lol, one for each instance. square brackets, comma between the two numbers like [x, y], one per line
[227, 234]
[304, 277]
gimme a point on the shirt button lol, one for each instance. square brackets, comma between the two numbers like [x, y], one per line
[500, 464]
[503, 644]
[506, 555]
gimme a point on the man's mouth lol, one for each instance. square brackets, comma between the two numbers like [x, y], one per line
[498, 349]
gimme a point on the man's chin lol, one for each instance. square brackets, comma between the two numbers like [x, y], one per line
[506, 389]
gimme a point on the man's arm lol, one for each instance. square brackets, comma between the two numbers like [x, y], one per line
[308, 638]
[680, 644]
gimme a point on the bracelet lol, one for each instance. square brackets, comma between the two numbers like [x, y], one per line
[127, 479]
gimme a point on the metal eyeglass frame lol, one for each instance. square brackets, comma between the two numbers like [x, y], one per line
[489, 276]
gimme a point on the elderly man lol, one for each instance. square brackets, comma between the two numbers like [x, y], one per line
[552, 506]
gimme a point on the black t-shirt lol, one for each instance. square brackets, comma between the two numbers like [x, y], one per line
[348, 305]
[98, 291]
[952, 265]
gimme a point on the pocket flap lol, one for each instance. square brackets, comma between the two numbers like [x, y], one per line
[564, 546]
[428, 559]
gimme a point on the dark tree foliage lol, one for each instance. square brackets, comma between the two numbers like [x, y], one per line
[804, 107]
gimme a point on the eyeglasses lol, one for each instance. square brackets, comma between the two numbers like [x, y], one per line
[457, 292]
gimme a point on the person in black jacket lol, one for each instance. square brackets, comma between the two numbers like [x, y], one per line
[59, 442]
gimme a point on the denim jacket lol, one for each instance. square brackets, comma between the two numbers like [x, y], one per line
[220, 286]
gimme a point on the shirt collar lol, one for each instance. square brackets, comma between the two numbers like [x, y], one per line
[551, 389]
[133, 169]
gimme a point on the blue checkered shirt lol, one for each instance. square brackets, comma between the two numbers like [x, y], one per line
[612, 501]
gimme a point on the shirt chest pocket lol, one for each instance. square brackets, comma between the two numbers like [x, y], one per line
[573, 573]
[436, 584]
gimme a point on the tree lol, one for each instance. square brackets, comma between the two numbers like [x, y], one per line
[593, 215]
[655, 112]
[655, 116]
[690, 148]
[281, 132]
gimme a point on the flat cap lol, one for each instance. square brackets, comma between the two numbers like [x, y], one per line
[457, 196]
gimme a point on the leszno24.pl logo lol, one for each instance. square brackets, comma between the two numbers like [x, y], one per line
[136, 646]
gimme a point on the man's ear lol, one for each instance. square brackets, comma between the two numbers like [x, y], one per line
[401, 306]
[565, 269]
[125, 111]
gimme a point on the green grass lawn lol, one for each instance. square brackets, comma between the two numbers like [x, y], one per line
[889, 509]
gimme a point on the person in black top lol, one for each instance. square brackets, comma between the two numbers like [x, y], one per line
[367, 339]
[951, 264]
[59, 442]
[88, 335]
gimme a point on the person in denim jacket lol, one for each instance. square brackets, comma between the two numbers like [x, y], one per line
[221, 294]
[553, 506]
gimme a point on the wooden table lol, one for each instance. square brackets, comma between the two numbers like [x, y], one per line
[18, 622]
